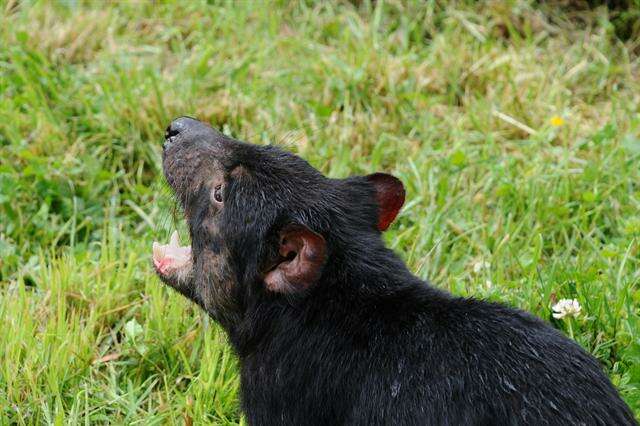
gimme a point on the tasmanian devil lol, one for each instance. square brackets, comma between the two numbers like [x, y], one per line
[329, 325]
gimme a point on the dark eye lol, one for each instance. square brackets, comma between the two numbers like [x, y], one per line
[217, 193]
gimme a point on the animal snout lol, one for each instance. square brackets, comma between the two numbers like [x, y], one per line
[179, 126]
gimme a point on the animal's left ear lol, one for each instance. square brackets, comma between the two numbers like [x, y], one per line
[302, 257]
[389, 197]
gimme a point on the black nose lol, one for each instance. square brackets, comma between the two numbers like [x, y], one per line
[177, 126]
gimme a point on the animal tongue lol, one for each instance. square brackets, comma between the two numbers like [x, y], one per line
[172, 256]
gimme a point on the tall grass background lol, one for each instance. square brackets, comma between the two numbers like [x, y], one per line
[513, 125]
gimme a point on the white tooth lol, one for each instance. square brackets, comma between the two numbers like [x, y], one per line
[175, 241]
[158, 251]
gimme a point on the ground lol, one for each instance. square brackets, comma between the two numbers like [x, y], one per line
[513, 125]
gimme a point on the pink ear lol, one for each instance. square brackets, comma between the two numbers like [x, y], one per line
[389, 196]
[302, 254]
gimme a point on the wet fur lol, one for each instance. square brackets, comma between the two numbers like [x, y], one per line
[369, 344]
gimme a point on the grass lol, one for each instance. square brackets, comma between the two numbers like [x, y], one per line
[514, 126]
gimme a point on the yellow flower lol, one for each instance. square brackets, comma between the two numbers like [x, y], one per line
[556, 121]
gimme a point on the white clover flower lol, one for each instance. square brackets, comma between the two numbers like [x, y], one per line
[479, 266]
[566, 307]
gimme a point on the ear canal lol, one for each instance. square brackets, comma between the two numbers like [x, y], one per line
[302, 257]
[390, 195]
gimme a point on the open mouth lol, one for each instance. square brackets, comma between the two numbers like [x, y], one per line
[171, 258]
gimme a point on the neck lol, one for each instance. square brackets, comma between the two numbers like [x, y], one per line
[369, 262]
[358, 275]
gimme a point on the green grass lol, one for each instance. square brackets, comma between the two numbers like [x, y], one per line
[456, 100]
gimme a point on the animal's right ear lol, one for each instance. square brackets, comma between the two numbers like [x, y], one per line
[302, 254]
[389, 197]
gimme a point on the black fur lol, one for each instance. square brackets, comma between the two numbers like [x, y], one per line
[369, 343]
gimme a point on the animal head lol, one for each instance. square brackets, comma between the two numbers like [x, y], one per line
[261, 220]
